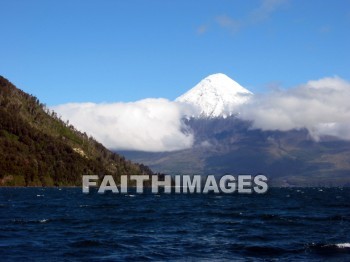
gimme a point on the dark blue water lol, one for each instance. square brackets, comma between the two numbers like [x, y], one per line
[48, 224]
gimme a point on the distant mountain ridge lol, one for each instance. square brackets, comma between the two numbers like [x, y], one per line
[39, 149]
[228, 145]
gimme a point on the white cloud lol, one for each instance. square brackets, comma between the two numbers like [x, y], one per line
[147, 125]
[321, 106]
[202, 29]
[229, 23]
[263, 12]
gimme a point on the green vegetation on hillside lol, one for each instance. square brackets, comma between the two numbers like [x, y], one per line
[38, 149]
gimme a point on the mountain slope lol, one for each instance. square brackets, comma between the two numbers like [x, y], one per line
[216, 95]
[39, 149]
[230, 146]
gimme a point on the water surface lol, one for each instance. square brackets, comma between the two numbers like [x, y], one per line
[44, 224]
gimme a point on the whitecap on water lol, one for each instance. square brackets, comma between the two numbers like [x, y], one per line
[343, 245]
[130, 195]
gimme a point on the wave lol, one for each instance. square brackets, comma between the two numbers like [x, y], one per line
[343, 245]
[329, 249]
[30, 221]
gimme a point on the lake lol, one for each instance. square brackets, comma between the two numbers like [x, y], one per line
[44, 224]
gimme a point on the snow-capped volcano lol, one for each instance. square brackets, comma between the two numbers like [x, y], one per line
[216, 95]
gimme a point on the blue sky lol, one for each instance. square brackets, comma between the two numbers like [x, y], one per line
[109, 51]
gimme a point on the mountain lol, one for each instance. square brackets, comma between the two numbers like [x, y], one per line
[230, 146]
[226, 144]
[39, 149]
[216, 95]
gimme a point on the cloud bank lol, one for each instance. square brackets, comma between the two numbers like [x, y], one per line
[321, 106]
[147, 125]
[155, 125]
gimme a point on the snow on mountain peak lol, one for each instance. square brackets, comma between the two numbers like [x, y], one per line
[216, 95]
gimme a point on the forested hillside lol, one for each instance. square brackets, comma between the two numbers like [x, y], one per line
[38, 149]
